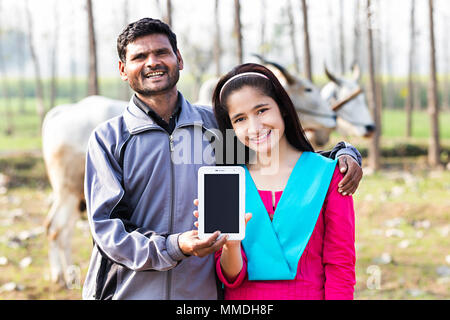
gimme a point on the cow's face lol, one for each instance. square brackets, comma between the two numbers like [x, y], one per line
[314, 113]
[353, 116]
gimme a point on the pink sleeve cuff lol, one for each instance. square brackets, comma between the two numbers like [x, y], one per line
[236, 282]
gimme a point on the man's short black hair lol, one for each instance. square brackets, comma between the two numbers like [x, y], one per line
[140, 28]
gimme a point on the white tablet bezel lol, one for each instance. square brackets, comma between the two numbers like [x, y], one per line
[201, 213]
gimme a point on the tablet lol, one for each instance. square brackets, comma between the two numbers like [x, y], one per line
[221, 195]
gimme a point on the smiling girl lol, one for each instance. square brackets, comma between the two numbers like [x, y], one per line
[299, 241]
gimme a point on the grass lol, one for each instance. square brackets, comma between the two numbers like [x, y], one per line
[412, 273]
[394, 124]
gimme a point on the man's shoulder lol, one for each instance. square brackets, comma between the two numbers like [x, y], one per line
[207, 115]
[112, 130]
[110, 125]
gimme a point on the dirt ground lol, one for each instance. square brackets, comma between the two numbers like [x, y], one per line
[402, 233]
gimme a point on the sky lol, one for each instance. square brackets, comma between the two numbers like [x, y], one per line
[193, 24]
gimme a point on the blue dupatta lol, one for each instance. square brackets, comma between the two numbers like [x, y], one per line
[274, 248]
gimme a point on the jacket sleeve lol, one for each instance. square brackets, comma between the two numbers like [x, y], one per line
[343, 148]
[135, 248]
[339, 244]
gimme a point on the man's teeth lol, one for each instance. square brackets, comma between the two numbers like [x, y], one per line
[154, 74]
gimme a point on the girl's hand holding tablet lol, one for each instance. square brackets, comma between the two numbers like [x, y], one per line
[231, 258]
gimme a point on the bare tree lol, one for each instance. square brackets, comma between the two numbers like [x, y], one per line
[307, 53]
[262, 41]
[356, 35]
[54, 57]
[40, 109]
[341, 37]
[388, 59]
[412, 45]
[217, 39]
[293, 36]
[446, 54]
[21, 54]
[72, 57]
[124, 88]
[332, 57]
[9, 128]
[93, 88]
[433, 110]
[374, 145]
[238, 31]
[168, 15]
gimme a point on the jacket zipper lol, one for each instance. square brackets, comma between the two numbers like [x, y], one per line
[172, 205]
[172, 191]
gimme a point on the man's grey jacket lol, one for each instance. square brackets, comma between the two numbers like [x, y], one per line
[140, 185]
[136, 253]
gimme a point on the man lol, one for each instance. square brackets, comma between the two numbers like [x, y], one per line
[139, 200]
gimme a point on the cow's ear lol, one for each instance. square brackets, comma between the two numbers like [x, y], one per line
[285, 78]
[356, 72]
[278, 70]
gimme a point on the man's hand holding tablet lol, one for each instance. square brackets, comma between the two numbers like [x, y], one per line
[191, 245]
[221, 204]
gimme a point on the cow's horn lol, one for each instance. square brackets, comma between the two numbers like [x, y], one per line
[331, 76]
[339, 104]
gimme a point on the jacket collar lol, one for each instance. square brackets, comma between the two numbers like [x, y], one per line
[138, 121]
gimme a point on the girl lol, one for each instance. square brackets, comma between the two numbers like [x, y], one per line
[299, 243]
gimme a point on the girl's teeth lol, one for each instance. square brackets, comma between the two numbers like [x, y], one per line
[261, 137]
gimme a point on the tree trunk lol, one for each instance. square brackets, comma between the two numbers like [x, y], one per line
[124, 91]
[293, 36]
[168, 16]
[73, 63]
[445, 98]
[262, 40]
[9, 124]
[238, 31]
[93, 88]
[40, 109]
[374, 145]
[356, 36]
[54, 59]
[217, 39]
[410, 98]
[307, 53]
[341, 37]
[434, 147]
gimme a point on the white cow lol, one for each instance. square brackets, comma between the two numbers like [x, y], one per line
[346, 98]
[65, 133]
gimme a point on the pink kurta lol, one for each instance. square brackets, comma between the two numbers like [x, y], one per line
[326, 269]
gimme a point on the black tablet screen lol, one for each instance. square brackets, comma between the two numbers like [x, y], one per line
[221, 203]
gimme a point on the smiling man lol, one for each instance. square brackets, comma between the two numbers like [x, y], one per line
[139, 201]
